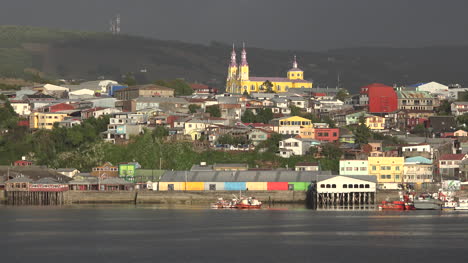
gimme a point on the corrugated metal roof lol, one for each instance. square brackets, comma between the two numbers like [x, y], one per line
[242, 176]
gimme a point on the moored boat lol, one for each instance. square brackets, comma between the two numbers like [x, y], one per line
[462, 204]
[395, 205]
[428, 204]
[221, 203]
[249, 203]
[449, 205]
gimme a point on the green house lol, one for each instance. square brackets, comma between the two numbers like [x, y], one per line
[128, 170]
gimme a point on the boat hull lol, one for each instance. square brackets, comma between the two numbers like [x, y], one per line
[244, 206]
[428, 204]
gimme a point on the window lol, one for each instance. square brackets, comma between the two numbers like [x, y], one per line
[342, 168]
[363, 168]
[389, 176]
[361, 186]
[333, 185]
[374, 168]
[382, 176]
[170, 187]
[322, 186]
[367, 186]
[356, 186]
[334, 134]
[345, 186]
[397, 168]
[328, 186]
[349, 168]
[350, 186]
[397, 177]
[212, 187]
[356, 168]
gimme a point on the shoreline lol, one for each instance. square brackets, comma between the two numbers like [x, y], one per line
[191, 197]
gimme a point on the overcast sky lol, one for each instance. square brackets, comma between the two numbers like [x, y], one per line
[280, 24]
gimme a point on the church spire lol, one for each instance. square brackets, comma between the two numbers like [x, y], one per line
[244, 56]
[233, 57]
[295, 62]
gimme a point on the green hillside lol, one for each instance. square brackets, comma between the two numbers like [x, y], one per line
[86, 55]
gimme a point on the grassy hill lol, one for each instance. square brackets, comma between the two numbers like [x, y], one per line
[88, 55]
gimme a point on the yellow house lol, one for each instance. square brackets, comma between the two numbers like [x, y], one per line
[388, 170]
[45, 120]
[307, 132]
[375, 122]
[239, 80]
[291, 125]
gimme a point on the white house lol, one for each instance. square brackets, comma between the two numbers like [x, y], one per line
[354, 167]
[21, 107]
[423, 149]
[295, 146]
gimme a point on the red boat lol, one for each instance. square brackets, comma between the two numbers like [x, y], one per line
[249, 203]
[409, 206]
[395, 205]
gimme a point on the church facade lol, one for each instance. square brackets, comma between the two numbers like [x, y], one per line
[239, 80]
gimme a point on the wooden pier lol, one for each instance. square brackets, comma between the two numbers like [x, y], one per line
[329, 200]
[34, 198]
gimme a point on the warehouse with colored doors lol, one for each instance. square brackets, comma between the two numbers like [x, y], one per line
[274, 180]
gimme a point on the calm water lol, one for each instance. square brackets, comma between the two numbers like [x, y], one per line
[126, 233]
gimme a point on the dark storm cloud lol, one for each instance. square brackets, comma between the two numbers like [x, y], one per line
[286, 24]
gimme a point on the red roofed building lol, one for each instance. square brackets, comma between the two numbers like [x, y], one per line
[202, 89]
[379, 98]
[23, 163]
[58, 107]
[449, 164]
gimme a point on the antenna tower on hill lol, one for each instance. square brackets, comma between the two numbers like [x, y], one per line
[115, 25]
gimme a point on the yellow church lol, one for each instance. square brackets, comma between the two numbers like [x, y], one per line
[239, 81]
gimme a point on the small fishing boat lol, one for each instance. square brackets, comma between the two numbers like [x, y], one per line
[249, 203]
[462, 204]
[392, 205]
[449, 205]
[428, 204]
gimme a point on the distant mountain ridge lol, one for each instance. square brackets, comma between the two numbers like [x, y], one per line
[88, 55]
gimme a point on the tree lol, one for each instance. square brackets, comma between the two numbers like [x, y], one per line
[342, 95]
[129, 79]
[272, 143]
[264, 115]
[160, 132]
[193, 108]
[267, 86]
[331, 123]
[362, 132]
[332, 151]
[181, 88]
[420, 130]
[248, 116]
[213, 110]
[295, 111]
[463, 120]
[445, 108]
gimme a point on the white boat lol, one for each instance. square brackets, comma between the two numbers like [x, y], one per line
[449, 205]
[428, 204]
[462, 204]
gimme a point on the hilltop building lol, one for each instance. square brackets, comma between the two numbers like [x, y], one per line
[239, 80]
